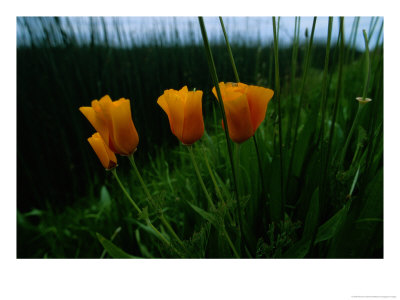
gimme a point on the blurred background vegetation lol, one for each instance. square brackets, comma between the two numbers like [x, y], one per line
[64, 195]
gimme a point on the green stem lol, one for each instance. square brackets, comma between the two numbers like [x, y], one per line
[171, 230]
[360, 105]
[160, 236]
[228, 46]
[259, 165]
[230, 241]
[214, 76]
[111, 239]
[146, 190]
[372, 25]
[217, 190]
[324, 82]
[189, 147]
[349, 136]
[278, 99]
[196, 168]
[368, 64]
[150, 198]
[353, 46]
[114, 172]
[293, 76]
[296, 126]
[335, 108]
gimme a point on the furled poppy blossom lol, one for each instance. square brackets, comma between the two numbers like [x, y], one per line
[184, 110]
[245, 107]
[113, 121]
[104, 153]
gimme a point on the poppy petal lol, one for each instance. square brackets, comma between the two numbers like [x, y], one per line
[193, 125]
[258, 98]
[163, 103]
[125, 136]
[106, 156]
[238, 117]
[97, 122]
[175, 105]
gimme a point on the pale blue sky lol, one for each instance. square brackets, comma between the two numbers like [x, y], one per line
[242, 29]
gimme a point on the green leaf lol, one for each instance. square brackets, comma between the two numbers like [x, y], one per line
[329, 229]
[144, 215]
[301, 248]
[369, 220]
[362, 239]
[34, 212]
[298, 250]
[304, 142]
[113, 250]
[354, 182]
[206, 215]
[143, 249]
[224, 188]
[105, 198]
[275, 190]
[312, 216]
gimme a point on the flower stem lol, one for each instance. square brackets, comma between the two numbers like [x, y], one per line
[278, 99]
[114, 172]
[196, 168]
[368, 65]
[260, 167]
[349, 136]
[230, 241]
[189, 147]
[296, 126]
[150, 198]
[293, 76]
[214, 76]
[324, 82]
[335, 109]
[228, 46]
[217, 190]
[160, 236]
[146, 190]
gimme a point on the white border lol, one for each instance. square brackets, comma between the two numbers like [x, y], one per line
[196, 279]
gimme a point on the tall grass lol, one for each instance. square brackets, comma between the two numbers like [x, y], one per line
[65, 197]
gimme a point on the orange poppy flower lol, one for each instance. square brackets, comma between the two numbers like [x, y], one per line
[104, 153]
[184, 110]
[113, 121]
[245, 107]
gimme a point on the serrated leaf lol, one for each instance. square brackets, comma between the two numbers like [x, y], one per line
[144, 215]
[112, 249]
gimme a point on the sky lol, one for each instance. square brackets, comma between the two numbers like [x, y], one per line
[142, 30]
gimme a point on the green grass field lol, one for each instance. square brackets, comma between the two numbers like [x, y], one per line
[321, 152]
